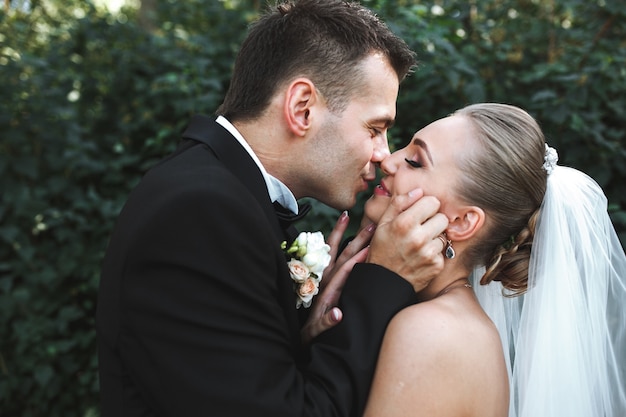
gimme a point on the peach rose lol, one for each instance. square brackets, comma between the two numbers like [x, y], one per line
[306, 291]
[298, 270]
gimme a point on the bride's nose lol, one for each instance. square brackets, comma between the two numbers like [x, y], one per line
[389, 165]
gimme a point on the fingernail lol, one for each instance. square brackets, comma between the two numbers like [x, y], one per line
[343, 216]
[371, 227]
[413, 192]
[335, 314]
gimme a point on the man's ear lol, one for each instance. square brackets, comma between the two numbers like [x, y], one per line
[468, 221]
[300, 97]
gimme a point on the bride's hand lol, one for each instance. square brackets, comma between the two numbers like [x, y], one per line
[354, 246]
[324, 311]
[407, 238]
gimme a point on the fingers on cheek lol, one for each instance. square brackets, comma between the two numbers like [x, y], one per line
[438, 249]
[399, 202]
[430, 250]
[404, 226]
[443, 221]
[419, 240]
[432, 203]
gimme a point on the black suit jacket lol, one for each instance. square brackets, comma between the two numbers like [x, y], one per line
[196, 311]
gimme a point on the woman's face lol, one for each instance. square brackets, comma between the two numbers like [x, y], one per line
[429, 162]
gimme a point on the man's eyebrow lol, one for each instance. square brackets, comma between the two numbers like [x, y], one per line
[385, 121]
[422, 144]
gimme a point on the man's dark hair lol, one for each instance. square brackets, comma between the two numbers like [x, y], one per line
[323, 40]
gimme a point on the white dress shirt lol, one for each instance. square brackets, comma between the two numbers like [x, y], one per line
[277, 190]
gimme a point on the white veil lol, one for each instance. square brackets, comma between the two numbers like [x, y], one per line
[565, 339]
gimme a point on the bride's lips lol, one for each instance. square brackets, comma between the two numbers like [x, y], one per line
[381, 190]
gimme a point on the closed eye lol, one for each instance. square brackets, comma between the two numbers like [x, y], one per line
[375, 132]
[413, 163]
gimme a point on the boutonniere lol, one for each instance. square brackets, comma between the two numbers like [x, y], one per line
[307, 256]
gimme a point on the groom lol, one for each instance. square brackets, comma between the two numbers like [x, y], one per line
[196, 310]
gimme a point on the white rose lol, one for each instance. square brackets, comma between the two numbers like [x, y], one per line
[317, 255]
[315, 242]
[302, 238]
[298, 270]
[317, 261]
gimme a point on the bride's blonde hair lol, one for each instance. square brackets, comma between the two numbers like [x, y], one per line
[504, 176]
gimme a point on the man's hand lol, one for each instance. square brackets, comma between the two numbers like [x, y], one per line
[324, 311]
[406, 239]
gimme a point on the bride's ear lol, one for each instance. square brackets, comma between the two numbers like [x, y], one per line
[466, 223]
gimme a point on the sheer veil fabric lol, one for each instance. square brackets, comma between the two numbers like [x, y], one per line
[566, 337]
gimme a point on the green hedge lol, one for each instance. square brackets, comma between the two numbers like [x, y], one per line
[89, 101]
[84, 112]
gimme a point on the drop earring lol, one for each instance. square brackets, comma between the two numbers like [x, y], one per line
[447, 245]
[450, 254]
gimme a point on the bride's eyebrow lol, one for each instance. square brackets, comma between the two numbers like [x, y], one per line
[422, 144]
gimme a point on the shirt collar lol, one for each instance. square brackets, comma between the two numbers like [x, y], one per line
[277, 190]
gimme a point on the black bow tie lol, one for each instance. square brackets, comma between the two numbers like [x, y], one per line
[286, 217]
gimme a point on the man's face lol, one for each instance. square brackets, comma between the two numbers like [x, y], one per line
[348, 146]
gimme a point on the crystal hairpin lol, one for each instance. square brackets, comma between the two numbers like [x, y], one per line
[550, 159]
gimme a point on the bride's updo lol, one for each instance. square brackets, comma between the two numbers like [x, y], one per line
[504, 176]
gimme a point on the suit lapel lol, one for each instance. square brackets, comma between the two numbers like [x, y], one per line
[235, 157]
[228, 150]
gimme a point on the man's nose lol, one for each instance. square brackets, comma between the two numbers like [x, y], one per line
[381, 149]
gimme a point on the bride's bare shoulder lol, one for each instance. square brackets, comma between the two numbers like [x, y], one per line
[441, 321]
[442, 329]
[439, 356]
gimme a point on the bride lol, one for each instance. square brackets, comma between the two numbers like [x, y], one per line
[528, 316]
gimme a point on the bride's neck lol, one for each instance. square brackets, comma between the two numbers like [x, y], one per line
[453, 275]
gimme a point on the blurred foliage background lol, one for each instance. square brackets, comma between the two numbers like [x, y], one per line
[90, 99]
